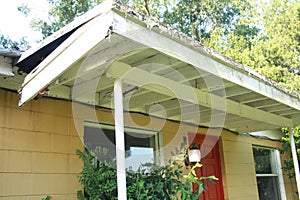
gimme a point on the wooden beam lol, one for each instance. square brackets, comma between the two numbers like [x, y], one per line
[287, 112]
[153, 98]
[159, 60]
[263, 103]
[85, 38]
[11, 82]
[254, 127]
[165, 86]
[62, 92]
[231, 91]
[94, 64]
[200, 59]
[182, 109]
[276, 108]
[248, 98]
[140, 94]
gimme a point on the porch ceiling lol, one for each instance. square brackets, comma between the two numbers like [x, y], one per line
[164, 74]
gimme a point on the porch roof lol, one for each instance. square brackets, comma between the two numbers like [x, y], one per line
[166, 74]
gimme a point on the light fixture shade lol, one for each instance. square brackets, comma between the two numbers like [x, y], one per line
[195, 155]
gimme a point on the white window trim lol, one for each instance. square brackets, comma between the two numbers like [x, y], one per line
[159, 155]
[276, 167]
[266, 175]
[277, 164]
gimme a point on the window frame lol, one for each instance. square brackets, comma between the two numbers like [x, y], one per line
[158, 142]
[275, 168]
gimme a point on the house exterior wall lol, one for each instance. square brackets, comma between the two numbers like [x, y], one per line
[239, 168]
[38, 143]
[37, 150]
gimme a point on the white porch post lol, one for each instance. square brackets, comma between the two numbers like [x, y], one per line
[120, 140]
[295, 160]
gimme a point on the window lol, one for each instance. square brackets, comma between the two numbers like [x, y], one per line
[141, 145]
[268, 174]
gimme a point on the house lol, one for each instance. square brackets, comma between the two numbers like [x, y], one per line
[114, 69]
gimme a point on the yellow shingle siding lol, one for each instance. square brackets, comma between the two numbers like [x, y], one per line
[38, 143]
[37, 149]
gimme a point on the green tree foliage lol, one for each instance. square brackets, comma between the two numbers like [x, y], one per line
[267, 42]
[281, 50]
[153, 8]
[8, 43]
[61, 13]
[199, 18]
[288, 165]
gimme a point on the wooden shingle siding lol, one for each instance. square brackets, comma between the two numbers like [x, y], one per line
[38, 143]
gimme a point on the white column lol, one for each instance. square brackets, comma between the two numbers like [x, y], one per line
[295, 160]
[120, 140]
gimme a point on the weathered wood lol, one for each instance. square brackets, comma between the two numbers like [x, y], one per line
[204, 58]
[139, 77]
[65, 55]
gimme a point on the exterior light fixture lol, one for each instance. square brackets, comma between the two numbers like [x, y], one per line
[192, 155]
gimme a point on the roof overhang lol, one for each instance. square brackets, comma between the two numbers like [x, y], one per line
[159, 66]
[7, 59]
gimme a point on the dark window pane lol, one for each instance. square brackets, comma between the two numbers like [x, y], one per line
[267, 188]
[139, 148]
[95, 137]
[262, 159]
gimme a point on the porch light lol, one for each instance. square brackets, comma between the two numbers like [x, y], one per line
[192, 155]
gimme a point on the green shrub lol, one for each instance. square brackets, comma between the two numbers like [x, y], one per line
[150, 181]
[46, 198]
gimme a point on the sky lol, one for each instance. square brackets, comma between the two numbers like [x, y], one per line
[15, 25]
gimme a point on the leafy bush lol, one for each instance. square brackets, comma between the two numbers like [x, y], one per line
[98, 177]
[46, 198]
[150, 181]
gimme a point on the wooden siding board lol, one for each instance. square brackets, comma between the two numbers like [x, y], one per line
[43, 148]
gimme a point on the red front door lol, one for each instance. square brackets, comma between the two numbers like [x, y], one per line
[211, 162]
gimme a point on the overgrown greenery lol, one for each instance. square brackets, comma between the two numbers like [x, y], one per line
[150, 181]
[268, 42]
[288, 165]
[7, 43]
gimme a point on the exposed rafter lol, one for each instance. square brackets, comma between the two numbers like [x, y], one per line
[167, 71]
[65, 55]
[224, 70]
[139, 77]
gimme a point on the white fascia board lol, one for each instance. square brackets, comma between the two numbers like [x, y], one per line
[275, 134]
[98, 10]
[155, 40]
[64, 56]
